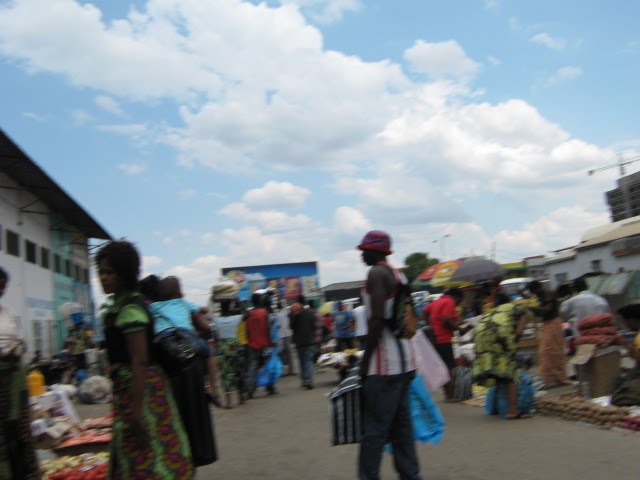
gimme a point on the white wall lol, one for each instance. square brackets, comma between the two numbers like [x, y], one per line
[30, 288]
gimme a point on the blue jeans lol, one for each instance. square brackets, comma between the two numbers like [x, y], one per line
[305, 355]
[387, 417]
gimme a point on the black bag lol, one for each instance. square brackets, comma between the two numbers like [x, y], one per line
[345, 411]
[176, 348]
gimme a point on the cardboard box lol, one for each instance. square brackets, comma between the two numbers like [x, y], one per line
[598, 369]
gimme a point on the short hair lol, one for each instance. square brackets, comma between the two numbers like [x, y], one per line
[125, 261]
[301, 299]
[169, 288]
[580, 284]
[149, 287]
[455, 292]
[500, 298]
[256, 300]
[3, 274]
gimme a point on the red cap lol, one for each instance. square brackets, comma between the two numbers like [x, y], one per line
[376, 240]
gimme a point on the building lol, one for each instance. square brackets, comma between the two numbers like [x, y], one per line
[611, 248]
[343, 290]
[624, 201]
[44, 236]
[288, 279]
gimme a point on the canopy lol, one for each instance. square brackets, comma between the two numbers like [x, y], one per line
[477, 269]
[444, 272]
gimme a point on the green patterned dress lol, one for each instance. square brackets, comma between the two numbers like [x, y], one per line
[496, 345]
[167, 454]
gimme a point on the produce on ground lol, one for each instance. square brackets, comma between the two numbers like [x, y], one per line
[90, 466]
[573, 407]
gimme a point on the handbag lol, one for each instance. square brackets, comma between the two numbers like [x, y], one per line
[345, 411]
[177, 347]
[271, 371]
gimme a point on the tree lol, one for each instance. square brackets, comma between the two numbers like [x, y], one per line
[416, 263]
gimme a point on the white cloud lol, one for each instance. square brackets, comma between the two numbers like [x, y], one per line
[350, 220]
[108, 104]
[275, 195]
[441, 59]
[564, 74]
[554, 43]
[131, 129]
[132, 168]
[326, 11]
[494, 60]
[36, 117]
[80, 117]
[269, 220]
[150, 261]
[187, 193]
[208, 238]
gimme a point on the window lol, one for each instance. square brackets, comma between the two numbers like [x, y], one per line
[67, 268]
[596, 265]
[44, 257]
[37, 335]
[57, 263]
[85, 275]
[561, 277]
[13, 243]
[30, 250]
[76, 272]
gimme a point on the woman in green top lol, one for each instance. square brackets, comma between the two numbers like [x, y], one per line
[148, 440]
[496, 340]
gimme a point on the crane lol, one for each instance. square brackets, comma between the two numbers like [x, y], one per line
[620, 164]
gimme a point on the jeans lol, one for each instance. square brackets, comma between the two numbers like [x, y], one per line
[286, 354]
[386, 417]
[305, 355]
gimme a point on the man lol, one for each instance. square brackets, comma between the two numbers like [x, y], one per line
[303, 323]
[258, 339]
[387, 369]
[360, 314]
[582, 305]
[285, 336]
[444, 320]
[345, 328]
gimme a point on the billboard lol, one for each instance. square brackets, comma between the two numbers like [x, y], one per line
[289, 279]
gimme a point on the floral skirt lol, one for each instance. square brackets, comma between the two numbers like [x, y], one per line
[232, 362]
[167, 454]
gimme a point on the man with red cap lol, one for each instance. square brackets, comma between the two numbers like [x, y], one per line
[388, 367]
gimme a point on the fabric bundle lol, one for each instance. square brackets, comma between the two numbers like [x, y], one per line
[598, 330]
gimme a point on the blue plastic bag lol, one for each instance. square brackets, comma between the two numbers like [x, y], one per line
[428, 423]
[271, 371]
[496, 404]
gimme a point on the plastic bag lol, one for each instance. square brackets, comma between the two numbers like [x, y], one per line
[433, 370]
[428, 422]
[496, 403]
[271, 371]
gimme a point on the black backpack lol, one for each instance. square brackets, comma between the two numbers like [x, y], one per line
[403, 321]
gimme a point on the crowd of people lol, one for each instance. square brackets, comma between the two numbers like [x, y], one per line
[168, 358]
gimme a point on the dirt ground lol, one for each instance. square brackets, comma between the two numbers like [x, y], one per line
[287, 437]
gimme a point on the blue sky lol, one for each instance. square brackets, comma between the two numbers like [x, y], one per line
[223, 133]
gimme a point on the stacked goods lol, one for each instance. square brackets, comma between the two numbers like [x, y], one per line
[598, 330]
[87, 466]
[631, 423]
[572, 407]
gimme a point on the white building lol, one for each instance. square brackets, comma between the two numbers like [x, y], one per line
[44, 237]
[611, 248]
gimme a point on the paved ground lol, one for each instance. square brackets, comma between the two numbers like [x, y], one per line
[287, 437]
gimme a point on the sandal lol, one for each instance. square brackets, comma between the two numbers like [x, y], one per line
[518, 416]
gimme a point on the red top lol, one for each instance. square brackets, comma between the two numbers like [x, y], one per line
[258, 329]
[444, 307]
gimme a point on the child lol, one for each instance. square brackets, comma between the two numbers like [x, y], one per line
[171, 311]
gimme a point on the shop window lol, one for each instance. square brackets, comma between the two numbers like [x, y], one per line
[561, 277]
[57, 263]
[13, 243]
[44, 257]
[30, 251]
[68, 270]
[596, 265]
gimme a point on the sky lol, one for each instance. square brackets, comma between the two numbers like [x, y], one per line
[222, 133]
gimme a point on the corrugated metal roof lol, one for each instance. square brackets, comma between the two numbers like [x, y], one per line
[623, 231]
[343, 286]
[561, 257]
[16, 164]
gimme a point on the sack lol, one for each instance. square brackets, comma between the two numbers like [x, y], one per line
[345, 411]
[271, 371]
[433, 370]
[176, 349]
[627, 394]
[463, 379]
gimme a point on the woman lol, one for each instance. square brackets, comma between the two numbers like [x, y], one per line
[148, 440]
[496, 339]
[552, 359]
[231, 353]
[17, 456]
